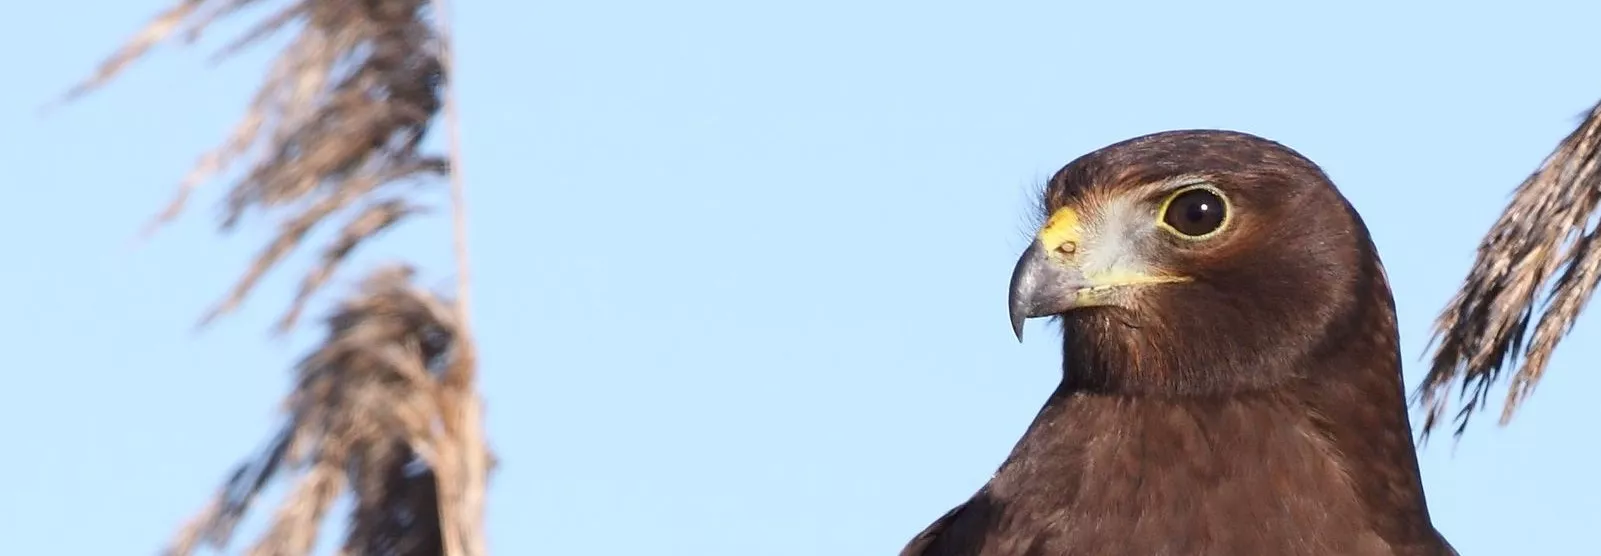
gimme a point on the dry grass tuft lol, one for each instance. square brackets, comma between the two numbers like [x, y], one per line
[335, 126]
[385, 409]
[1543, 244]
[364, 415]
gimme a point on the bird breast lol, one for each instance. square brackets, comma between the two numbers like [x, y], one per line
[1242, 475]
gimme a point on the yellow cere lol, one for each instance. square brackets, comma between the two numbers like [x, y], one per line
[1061, 229]
[1064, 228]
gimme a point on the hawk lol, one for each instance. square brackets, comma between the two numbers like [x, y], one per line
[1231, 376]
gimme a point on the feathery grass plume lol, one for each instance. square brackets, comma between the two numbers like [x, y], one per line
[1544, 245]
[386, 408]
[338, 120]
[363, 416]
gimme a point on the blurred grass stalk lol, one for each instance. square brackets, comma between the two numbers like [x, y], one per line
[385, 408]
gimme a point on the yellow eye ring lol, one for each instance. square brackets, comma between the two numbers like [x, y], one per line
[1195, 213]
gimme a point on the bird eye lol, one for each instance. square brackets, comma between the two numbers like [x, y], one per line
[1195, 213]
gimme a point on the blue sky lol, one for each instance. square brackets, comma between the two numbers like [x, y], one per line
[741, 266]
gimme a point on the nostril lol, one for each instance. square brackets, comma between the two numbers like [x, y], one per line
[1067, 248]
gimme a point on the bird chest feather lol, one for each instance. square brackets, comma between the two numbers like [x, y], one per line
[1241, 475]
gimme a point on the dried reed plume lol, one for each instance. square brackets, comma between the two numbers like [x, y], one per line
[1545, 232]
[363, 416]
[385, 408]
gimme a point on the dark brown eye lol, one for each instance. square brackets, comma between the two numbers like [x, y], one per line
[1194, 213]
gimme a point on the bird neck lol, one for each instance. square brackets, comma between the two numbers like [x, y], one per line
[1336, 425]
[1176, 470]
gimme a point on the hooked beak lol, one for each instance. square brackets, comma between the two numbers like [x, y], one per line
[1066, 268]
[1041, 286]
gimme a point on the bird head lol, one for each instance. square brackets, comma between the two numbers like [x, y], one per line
[1195, 262]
